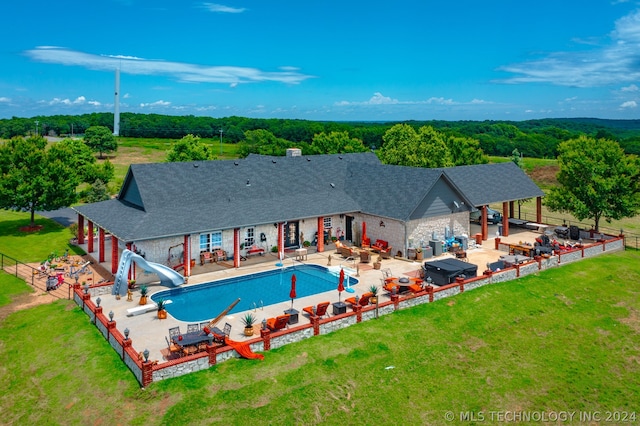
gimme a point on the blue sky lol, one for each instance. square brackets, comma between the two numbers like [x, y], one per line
[323, 60]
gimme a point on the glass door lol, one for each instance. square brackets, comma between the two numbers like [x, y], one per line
[291, 235]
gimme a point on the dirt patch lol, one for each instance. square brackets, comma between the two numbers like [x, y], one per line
[545, 175]
[34, 228]
[25, 301]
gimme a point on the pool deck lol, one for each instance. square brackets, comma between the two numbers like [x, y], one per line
[148, 332]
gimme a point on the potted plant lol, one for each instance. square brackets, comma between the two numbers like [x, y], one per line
[374, 290]
[419, 253]
[143, 294]
[132, 284]
[162, 312]
[248, 320]
[378, 263]
[306, 244]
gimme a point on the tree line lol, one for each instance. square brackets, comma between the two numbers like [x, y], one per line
[533, 138]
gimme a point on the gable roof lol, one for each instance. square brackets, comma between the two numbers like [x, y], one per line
[485, 184]
[170, 199]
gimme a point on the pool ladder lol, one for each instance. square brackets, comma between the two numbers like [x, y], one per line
[255, 306]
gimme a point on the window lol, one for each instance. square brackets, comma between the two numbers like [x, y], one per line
[209, 242]
[327, 223]
[250, 238]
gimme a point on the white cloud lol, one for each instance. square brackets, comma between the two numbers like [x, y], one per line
[629, 104]
[631, 88]
[612, 63]
[159, 103]
[219, 8]
[184, 72]
[380, 99]
[4, 99]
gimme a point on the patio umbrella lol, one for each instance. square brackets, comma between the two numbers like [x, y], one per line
[292, 293]
[341, 284]
[364, 231]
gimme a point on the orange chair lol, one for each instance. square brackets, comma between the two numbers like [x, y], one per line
[363, 301]
[321, 309]
[278, 323]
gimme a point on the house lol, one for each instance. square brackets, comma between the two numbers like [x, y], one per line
[171, 212]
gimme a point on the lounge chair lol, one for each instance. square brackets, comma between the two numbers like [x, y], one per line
[278, 323]
[362, 301]
[192, 328]
[321, 309]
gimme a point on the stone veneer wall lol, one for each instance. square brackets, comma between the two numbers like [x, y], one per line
[148, 372]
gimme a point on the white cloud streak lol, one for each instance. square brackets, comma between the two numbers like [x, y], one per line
[614, 63]
[184, 72]
[379, 99]
[219, 8]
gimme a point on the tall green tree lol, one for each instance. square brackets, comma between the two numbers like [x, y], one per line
[33, 177]
[100, 139]
[405, 147]
[190, 148]
[336, 143]
[597, 180]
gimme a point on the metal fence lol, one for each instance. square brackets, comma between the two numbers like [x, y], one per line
[631, 240]
[21, 270]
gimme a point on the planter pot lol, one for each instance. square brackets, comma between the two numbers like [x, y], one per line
[162, 314]
[248, 331]
[419, 256]
[143, 300]
[373, 300]
[377, 265]
[193, 263]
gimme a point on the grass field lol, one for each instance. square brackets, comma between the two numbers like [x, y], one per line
[566, 339]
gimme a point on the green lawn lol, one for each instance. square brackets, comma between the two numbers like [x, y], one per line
[33, 246]
[567, 339]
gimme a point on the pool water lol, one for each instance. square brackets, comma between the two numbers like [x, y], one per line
[206, 301]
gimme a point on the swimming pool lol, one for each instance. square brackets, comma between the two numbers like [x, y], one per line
[203, 302]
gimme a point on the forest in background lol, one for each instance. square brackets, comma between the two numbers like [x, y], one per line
[533, 138]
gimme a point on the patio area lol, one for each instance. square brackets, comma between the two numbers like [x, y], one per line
[149, 332]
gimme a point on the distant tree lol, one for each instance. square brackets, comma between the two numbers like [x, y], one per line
[263, 142]
[336, 143]
[406, 147]
[33, 177]
[97, 192]
[516, 157]
[190, 148]
[597, 180]
[100, 139]
[465, 151]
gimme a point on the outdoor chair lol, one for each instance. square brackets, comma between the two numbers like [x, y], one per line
[192, 328]
[365, 256]
[362, 301]
[203, 325]
[321, 309]
[278, 323]
[174, 332]
[173, 348]
[220, 335]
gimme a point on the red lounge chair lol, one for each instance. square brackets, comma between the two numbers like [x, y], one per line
[278, 323]
[363, 301]
[321, 309]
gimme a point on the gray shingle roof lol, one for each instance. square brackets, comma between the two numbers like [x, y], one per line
[485, 184]
[168, 199]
